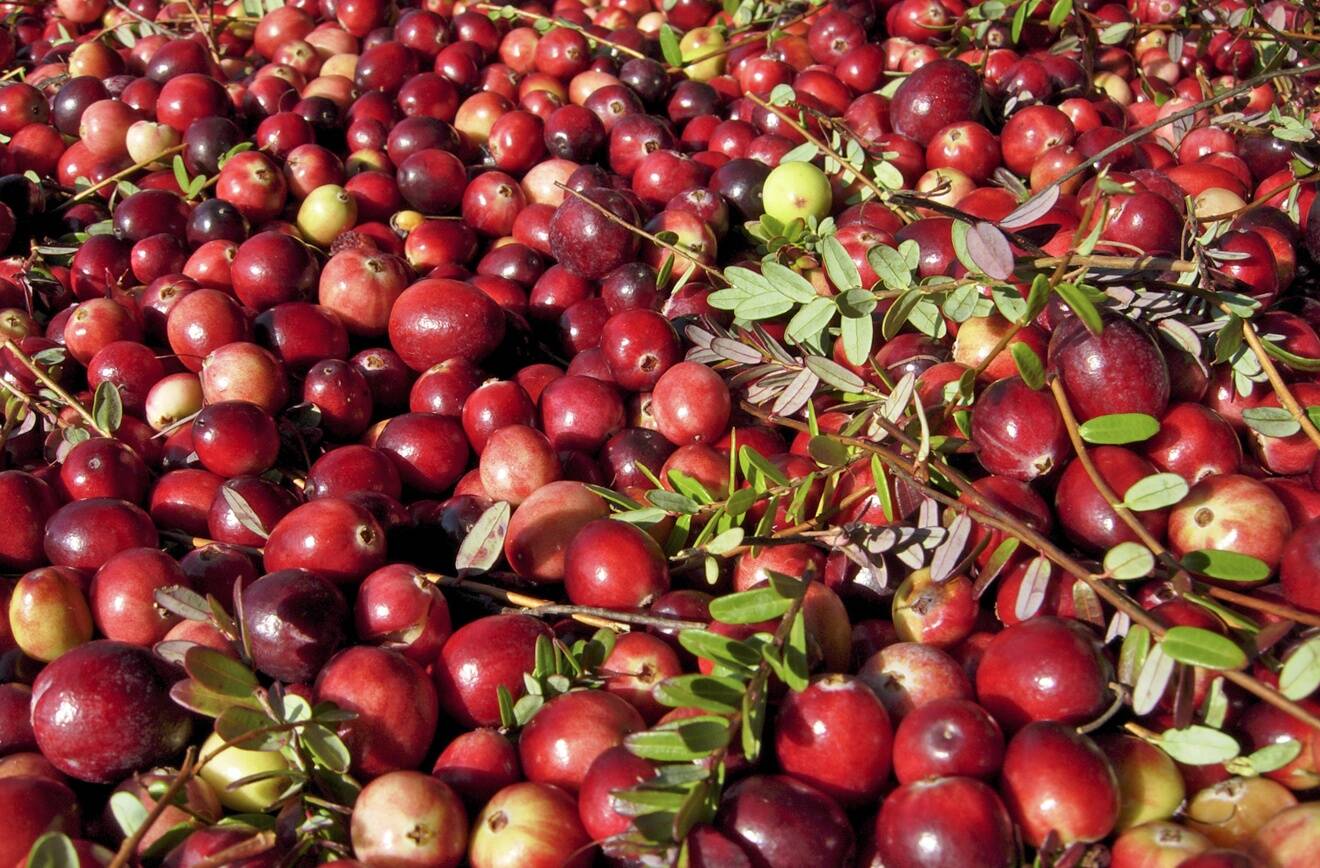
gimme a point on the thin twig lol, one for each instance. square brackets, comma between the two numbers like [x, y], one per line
[45, 379]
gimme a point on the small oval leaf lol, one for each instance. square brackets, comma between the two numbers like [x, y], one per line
[1157, 491]
[1127, 561]
[1117, 429]
[1196, 646]
[1226, 566]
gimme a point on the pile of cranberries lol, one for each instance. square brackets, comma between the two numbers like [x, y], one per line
[360, 359]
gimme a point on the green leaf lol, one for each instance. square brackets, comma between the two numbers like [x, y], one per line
[180, 173]
[740, 501]
[1300, 675]
[839, 266]
[693, 810]
[669, 48]
[218, 673]
[484, 543]
[1271, 421]
[753, 724]
[1152, 679]
[1129, 560]
[1157, 491]
[53, 850]
[239, 725]
[766, 470]
[1115, 33]
[750, 607]
[108, 407]
[835, 374]
[507, 718]
[1225, 565]
[1119, 428]
[1010, 304]
[858, 336]
[789, 283]
[803, 153]
[1196, 646]
[729, 653]
[1019, 21]
[897, 315]
[1059, 13]
[1037, 298]
[639, 802]
[1228, 339]
[890, 266]
[128, 811]
[766, 306]
[960, 305]
[811, 320]
[326, 747]
[725, 542]
[1198, 745]
[1081, 306]
[715, 693]
[796, 663]
[1029, 365]
[672, 501]
[1275, 756]
[1132, 654]
[695, 738]
[689, 487]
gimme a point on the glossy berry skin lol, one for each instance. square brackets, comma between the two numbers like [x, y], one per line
[836, 736]
[615, 769]
[429, 451]
[397, 608]
[784, 822]
[104, 467]
[580, 412]
[588, 243]
[639, 346]
[948, 737]
[614, 565]
[438, 319]
[691, 404]
[1018, 431]
[570, 731]
[103, 710]
[235, 438]
[395, 704]
[295, 620]
[29, 503]
[410, 820]
[1043, 669]
[1194, 442]
[1056, 779]
[122, 596]
[1121, 370]
[544, 525]
[333, 537]
[1230, 512]
[1299, 570]
[87, 533]
[478, 658]
[477, 764]
[940, 93]
[944, 821]
[1083, 512]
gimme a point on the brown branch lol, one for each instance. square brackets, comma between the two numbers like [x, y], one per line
[124, 855]
[87, 192]
[55, 388]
